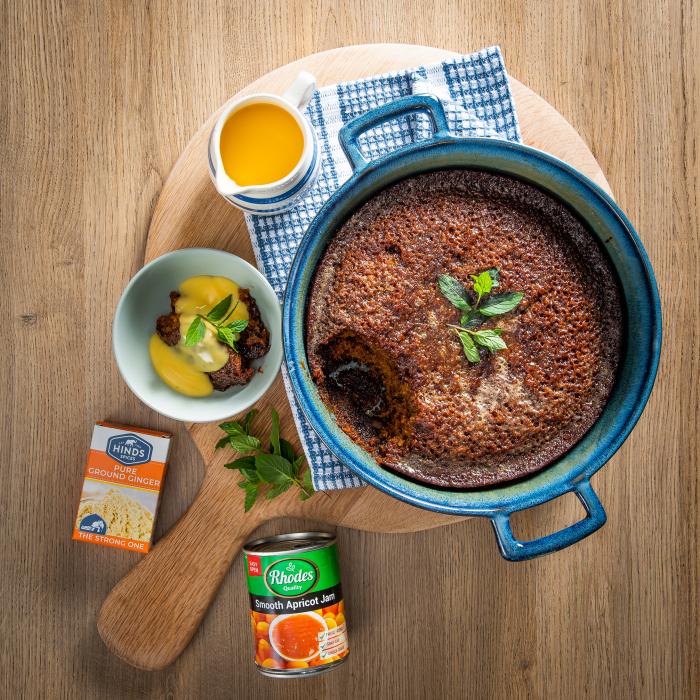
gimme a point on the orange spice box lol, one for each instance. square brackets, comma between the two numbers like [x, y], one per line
[122, 487]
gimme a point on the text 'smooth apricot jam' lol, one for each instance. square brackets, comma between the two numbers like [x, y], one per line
[296, 604]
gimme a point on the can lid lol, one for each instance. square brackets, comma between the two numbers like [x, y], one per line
[294, 543]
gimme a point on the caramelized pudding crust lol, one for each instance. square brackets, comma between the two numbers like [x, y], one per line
[395, 376]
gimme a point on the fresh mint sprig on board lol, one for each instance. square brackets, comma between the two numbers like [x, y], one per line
[215, 318]
[278, 467]
[477, 312]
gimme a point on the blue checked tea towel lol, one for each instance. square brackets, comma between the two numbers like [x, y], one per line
[476, 95]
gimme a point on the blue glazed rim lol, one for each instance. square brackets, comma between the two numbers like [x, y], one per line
[641, 307]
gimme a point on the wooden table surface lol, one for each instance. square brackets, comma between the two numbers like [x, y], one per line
[97, 100]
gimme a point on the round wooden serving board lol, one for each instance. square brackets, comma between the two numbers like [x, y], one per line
[152, 613]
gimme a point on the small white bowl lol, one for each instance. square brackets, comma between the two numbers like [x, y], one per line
[310, 613]
[146, 298]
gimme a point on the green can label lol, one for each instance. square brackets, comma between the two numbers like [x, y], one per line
[297, 609]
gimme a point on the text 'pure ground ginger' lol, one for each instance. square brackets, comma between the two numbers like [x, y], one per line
[122, 487]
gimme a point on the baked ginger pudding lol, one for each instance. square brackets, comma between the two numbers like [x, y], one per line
[464, 328]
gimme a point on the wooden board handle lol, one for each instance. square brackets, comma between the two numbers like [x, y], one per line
[152, 613]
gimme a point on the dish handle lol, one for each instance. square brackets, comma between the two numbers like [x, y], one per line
[514, 550]
[398, 108]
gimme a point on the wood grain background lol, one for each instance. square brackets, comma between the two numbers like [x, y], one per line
[97, 100]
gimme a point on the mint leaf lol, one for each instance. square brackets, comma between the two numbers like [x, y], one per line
[226, 337]
[454, 292]
[308, 485]
[279, 490]
[297, 463]
[490, 340]
[273, 469]
[275, 434]
[244, 443]
[246, 465]
[494, 273]
[472, 320]
[241, 463]
[237, 326]
[287, 452]
[470, 350]
[482, 284]
[222, 443]
[195, 332]
[501, 303]
[235, 306]
[219, 311]
[251, 495]
[248, 420]
[232, 427]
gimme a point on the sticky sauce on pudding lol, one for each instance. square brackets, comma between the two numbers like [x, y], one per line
[183, 368]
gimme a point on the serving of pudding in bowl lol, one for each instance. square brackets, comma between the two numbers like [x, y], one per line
[234, 353]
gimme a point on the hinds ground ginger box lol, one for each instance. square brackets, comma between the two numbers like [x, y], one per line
[122, 487]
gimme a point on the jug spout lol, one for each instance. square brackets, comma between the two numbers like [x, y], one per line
[225, 185]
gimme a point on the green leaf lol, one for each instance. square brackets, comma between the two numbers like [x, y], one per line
[251, 495]
[287, 452]
[195, 332]
[494, 273]
[222, 443]
[482, 284]
[232, 427]
[246, 465]
[454, 292]
[237, 326]
[297, 463]
[472, 320]
[470, 350]
[242, 463]
[308, 485]
[273, 469]
[249, 419]
[501, 303]
[242, 484]
[490, 340]
[275, 434]
[219, 311]
[228, 315]
[225, 336]
[279, 490]
[244, 443]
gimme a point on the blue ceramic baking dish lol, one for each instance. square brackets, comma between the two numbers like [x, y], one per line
[642, 316]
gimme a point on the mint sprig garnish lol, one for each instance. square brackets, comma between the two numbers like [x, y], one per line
[217, 318]
[477, 312]
[278, 467]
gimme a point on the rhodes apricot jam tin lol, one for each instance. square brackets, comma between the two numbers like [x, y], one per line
[296, 604]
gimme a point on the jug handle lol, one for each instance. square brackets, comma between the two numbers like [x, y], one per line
[301, 90]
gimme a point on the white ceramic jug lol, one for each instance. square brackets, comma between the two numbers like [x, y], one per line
[277, 196]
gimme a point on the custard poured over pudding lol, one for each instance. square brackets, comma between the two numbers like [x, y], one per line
[395, 375]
